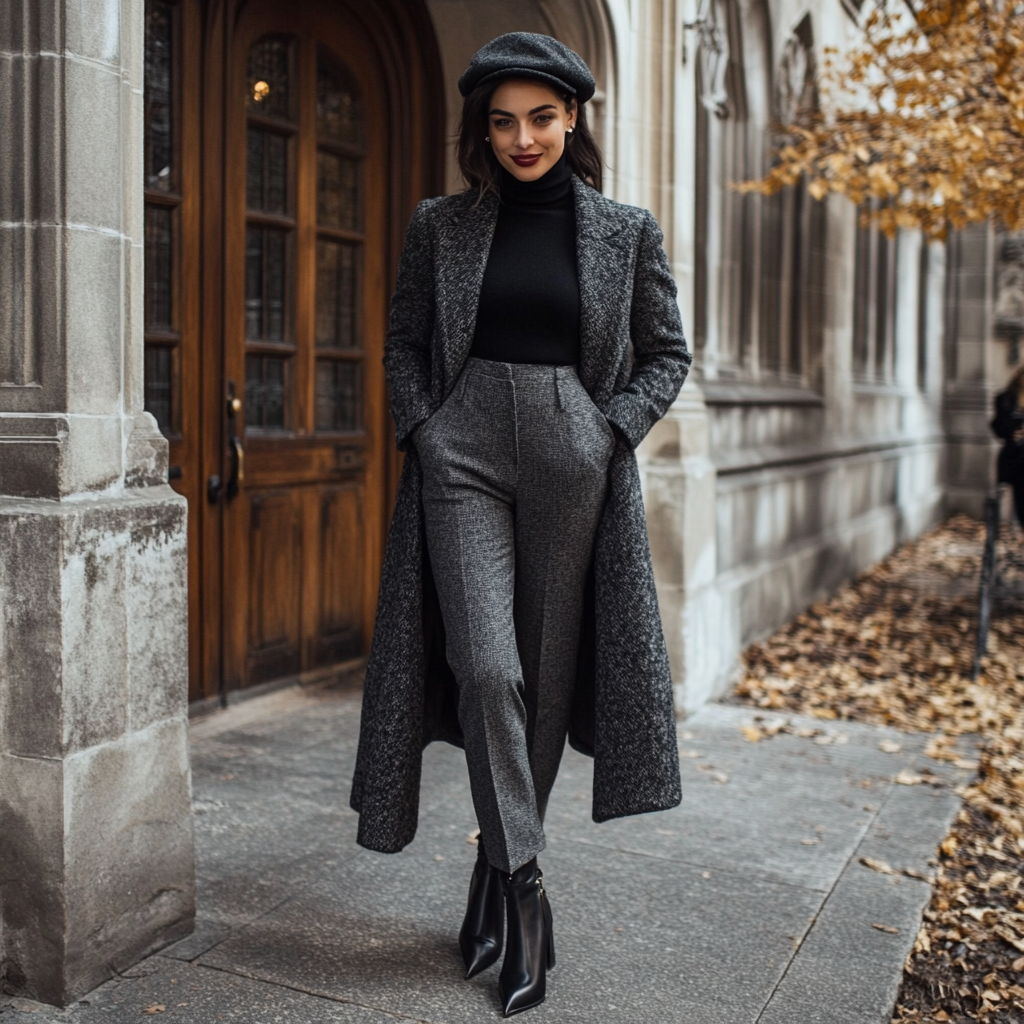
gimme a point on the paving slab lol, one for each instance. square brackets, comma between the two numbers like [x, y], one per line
[787, 808]
[748, 904]
[848, 968]
[165, 990]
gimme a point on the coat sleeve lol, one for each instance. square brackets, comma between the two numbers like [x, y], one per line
[661, 358]
[407, 356]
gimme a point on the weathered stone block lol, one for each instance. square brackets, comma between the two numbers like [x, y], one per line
[93, 29]
[96, 856]
[157, 631]
[31, 455]
[94, 318]
[95, 623]
[31, 871]
[129, 880]
[93, 455]
[146, 456]
[30, 634]
[92, 122]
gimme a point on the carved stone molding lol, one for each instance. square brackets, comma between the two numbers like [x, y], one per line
[711, 25]
[795, 93]
[32, 173]
[1009, 307]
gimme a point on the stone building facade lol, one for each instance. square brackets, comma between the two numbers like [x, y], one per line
[201, 208]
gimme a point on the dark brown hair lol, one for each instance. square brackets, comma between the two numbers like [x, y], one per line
[480, 166]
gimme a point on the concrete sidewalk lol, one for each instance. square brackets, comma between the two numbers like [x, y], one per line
[746, 904]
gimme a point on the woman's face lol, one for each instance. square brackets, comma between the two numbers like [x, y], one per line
[527, 125]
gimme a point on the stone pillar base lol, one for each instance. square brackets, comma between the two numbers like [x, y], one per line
[96, 845]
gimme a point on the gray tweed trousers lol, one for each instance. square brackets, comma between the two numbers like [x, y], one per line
[515, 468]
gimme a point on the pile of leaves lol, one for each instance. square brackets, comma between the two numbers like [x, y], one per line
[924, 116]
[896, 647]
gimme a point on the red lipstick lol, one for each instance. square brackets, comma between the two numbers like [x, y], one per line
[526, 160]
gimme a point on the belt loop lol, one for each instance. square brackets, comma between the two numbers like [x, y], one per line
[558, 388]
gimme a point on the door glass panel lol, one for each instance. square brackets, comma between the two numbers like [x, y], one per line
[339, 115]
[159, 267]
[266, 284]
[162, 190]
[159, 383]
[159, 144]
[338, 395]
[269, 86]
[338, 384]
[337, 191]
[335, 295]
[267, 172]
[266, 391]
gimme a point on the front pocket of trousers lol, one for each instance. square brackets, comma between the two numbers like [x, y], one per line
[591, 407]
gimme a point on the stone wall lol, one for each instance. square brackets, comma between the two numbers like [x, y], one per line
[96, 854]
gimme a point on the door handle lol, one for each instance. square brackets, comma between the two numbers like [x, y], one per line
[236, 453]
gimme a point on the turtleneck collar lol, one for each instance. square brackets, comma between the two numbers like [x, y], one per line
[551, 187]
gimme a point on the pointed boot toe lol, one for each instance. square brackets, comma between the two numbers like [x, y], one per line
[483, 928]
[530, 948]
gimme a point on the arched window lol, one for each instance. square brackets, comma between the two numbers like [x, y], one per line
[874, 302]
[758, 284]
[728, 150]
[794, 239]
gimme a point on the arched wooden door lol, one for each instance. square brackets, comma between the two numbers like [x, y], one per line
[300, 136]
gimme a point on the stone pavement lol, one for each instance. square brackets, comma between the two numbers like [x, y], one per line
[746, 905]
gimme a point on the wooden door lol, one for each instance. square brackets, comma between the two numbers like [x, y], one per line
[304, 306]
[286, 145]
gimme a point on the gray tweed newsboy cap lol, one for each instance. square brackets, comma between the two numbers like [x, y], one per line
[529, 55]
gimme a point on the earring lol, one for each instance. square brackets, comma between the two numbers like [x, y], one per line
[569, 129]
[487, 138]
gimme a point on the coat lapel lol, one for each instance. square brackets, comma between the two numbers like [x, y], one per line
[464, 246]
[602, 244]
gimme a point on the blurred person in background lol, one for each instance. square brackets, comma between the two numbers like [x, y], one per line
[1008, 425]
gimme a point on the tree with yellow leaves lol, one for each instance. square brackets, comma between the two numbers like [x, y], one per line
[925, 116]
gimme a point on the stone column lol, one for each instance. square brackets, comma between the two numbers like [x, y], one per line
[679, 482]
[96, 849]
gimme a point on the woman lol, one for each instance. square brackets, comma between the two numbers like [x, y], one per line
[534, 340]
[1009, 425]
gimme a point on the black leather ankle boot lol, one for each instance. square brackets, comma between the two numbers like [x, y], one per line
[530, 949]
[484, 926]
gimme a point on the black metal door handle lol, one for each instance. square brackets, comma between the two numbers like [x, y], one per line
[236, 453]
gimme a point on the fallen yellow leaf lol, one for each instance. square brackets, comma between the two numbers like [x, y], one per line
[878, 865]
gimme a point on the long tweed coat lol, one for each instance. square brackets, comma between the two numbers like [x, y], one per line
[633, 361]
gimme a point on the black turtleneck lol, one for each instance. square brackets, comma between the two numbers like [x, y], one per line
[529, 308]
